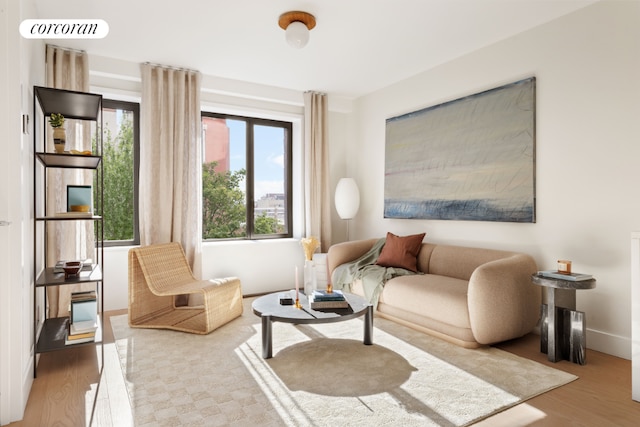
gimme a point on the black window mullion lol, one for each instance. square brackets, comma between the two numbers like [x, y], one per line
[288, 185]
[249, 183]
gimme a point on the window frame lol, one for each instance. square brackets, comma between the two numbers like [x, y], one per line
[135, 108]
[249, 166]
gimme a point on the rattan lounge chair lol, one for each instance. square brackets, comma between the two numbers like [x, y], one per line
[158, 274]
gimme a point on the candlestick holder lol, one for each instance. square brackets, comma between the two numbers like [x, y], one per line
[297, 305]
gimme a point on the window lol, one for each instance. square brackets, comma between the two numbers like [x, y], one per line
[246, 177]
[121, 160]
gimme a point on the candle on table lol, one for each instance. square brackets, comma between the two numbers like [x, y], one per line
[297, 284]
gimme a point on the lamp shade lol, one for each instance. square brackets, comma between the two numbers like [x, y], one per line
[297, 34]
[347, 198]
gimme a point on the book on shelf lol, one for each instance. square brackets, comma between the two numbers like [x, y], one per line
[84, 307]
[87, 326]
[83, 295]
[80, 338]
[322, 295]
[575, 277]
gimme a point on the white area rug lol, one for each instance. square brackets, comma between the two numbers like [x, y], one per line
[320, 375]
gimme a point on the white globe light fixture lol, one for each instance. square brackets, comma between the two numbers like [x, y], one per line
[297, 35]
[297, 26]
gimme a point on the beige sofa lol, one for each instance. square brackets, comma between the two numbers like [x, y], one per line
[468, 296]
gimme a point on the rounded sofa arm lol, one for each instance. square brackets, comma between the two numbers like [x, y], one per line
[503, 302]
[341, 253]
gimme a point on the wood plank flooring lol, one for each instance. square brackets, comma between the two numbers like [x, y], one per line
[71, 391]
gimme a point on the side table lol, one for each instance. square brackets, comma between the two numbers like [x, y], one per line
[562, 330]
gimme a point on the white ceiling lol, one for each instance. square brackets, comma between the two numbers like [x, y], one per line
[358, 46]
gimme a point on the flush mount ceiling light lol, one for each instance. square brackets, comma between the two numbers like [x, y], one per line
[297, 25]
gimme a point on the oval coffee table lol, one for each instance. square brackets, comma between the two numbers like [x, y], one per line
[268, 307]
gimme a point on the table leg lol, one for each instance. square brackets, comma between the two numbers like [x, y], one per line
[267, 342]
[562, 329]
[368, 326]
[574, 337]
[553, 346]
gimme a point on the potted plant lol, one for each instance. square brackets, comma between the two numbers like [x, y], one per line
[56, 120]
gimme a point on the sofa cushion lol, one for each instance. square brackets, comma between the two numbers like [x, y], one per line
[401, 252]
[460, 262]
[436, 297]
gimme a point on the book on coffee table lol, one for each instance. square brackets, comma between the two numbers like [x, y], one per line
[328, 296]
[318, 305]
[323, 299]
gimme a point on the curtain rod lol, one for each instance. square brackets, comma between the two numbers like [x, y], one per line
[313, 91]
[171, 67]
[67, 48]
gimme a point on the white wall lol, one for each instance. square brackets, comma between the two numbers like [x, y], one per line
[20, 71]
[587, 66]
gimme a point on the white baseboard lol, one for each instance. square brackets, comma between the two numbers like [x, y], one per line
[614, 345]
[603, 342]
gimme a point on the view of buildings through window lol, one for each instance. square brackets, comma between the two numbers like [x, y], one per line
[246, 177]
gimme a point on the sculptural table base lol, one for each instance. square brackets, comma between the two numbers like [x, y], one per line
[566, 340]
[562, 328]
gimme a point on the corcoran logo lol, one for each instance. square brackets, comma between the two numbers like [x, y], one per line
[64, 28]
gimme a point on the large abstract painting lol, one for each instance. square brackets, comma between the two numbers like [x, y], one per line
[468, 159]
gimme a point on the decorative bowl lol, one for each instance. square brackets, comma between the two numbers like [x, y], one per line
[71, 268]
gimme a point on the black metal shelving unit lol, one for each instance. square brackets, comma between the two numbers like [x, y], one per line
[51, 334]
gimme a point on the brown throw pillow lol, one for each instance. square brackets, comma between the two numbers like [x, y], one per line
[401, 252]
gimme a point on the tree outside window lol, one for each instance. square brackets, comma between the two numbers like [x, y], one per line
[246, 177]
[120, 167]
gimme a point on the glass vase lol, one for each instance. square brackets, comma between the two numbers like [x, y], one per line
[310, 281]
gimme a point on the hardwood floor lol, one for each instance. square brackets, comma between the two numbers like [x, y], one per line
[70, 391]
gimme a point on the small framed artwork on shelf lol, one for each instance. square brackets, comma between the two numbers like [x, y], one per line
[79, 199]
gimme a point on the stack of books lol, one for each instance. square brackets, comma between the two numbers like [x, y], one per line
[574, 277]
[324, 299]
[83, 322]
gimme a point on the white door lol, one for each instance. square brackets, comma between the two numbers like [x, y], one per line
[4, 284]
[4, 212]
[635, 316]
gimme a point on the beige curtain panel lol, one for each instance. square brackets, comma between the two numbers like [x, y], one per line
[317, 191]
[171, 160]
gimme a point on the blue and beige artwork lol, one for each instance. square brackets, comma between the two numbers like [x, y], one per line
[468, 159]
